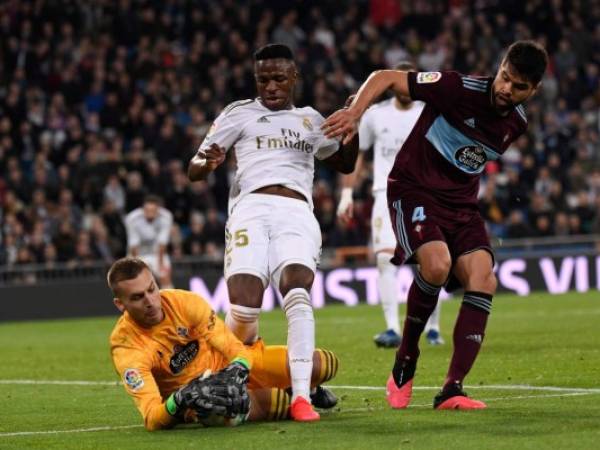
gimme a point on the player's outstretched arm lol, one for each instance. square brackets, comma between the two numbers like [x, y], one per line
[204, 162]
[344, 122]
[344, 160]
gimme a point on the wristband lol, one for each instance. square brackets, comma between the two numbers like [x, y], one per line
[346, 195]
[171, 405]
[243, 361]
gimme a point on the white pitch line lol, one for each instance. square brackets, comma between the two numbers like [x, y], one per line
[429, 405]
[77, 430]
[64, 382]
[502, 387]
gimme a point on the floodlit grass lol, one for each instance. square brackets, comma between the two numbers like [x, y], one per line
[540, 341]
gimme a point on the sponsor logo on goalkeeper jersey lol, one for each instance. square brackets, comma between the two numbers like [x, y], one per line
[182, 355]
[133, 379]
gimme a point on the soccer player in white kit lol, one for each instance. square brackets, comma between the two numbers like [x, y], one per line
[384, 127]
[272, 235]
[148, 232]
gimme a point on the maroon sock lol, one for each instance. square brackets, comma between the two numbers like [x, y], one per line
[468, 334]
[422, 299]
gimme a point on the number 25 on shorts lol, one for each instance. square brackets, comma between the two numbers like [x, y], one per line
[240, 239]
[419, 214]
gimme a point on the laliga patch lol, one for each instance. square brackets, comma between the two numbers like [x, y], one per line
[212, 129]
[133, 379]
[428, 77]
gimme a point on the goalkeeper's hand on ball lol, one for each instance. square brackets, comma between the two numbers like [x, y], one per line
[231, 383]
[223, 394]
[200, 395]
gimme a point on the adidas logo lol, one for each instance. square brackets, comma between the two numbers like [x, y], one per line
[263, 119]
[470, 122]
[475, 337]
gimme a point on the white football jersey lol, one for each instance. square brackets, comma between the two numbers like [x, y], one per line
[145, 235]
[385, 128]
[271, 147]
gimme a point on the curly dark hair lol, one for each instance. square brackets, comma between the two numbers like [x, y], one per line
[529, 59]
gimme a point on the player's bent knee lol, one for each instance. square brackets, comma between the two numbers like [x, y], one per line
[483, 283]
[491, 283]
[325, 366]
[295, 276]
[245, 290]
[436, 270]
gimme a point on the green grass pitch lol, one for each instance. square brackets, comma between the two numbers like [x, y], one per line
[539, 372]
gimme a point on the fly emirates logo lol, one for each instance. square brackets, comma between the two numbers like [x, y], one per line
[288, 139]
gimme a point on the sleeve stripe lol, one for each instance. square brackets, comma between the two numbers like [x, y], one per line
[521, 112]
[475, 81]
[475, 86]
[234, 105]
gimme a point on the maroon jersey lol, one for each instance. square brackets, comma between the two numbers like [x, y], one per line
[457, 133]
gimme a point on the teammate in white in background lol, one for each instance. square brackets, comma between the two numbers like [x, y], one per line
[148, 232]
[384, 127]
[272, 235]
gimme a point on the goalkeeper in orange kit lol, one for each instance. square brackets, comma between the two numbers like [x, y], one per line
[180, 362]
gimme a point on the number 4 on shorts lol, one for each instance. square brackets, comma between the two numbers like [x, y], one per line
[419, 214]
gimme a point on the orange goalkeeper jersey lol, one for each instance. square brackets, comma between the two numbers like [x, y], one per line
[154, 362]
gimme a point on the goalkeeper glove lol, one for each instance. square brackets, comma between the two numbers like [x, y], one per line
[198, 394]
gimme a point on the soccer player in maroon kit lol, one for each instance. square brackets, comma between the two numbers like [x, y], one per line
[432, 196]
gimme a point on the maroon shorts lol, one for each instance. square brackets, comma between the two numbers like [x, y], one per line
[417, 220]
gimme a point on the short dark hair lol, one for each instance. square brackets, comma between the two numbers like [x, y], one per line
[405, 65]
[274, 51]
[123, 269]
[151, 198]
[529, 59]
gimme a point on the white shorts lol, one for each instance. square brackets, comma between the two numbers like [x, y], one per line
[382, 233]
[265, 233]
[152, 261]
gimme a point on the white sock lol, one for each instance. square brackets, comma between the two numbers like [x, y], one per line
[386, 283]
[243, 321]
[434, 319]
[300, 341]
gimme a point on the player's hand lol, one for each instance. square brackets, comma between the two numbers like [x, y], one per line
[214, 156]
[202, 396]
[235, 373]
[345, 209]
[231, 383]
[342, 124]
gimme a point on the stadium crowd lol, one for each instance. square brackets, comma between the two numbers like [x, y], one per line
[105, 102]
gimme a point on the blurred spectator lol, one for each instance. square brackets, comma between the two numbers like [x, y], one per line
[214, 228]
[195, 240]
[114, 192]
[517, 227]
[148, 235]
